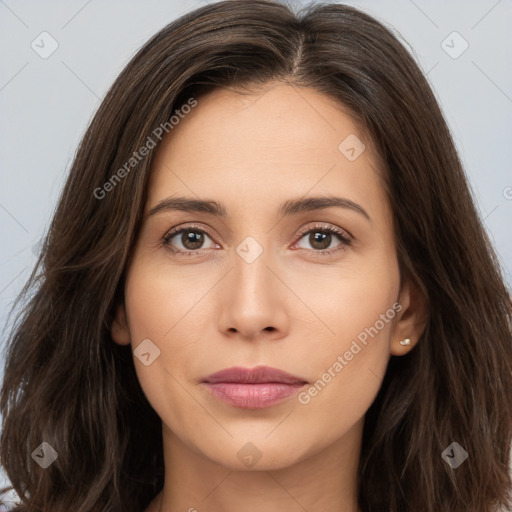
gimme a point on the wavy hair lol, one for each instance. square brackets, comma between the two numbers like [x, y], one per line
[66, 383]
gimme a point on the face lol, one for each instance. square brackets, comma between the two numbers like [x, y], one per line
[279, 279]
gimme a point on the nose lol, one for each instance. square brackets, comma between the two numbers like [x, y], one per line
[253, 300]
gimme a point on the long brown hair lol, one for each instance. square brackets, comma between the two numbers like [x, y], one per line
[67, 384]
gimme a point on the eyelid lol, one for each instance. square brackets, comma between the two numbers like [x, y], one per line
[343, 233]
[165, 242]
[345, 237]
[178, 229]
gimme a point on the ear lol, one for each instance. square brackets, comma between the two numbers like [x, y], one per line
[411, 320]
[119, 330]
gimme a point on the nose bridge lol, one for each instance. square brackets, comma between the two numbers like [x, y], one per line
[252, 276]
[251, 299]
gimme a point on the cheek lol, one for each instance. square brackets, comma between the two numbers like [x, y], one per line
[348, 373]
[160, 299]
[158, 305]
[350, 362]
[167, 306]
[354, 301]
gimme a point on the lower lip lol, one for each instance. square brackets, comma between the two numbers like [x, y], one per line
[252, 396]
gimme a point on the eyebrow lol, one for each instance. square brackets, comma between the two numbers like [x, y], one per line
[290, 207]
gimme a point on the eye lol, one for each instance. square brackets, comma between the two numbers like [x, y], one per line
[187, 240]
[190, 240]
[321, 239]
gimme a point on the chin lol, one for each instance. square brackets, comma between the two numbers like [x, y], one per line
[257, 455]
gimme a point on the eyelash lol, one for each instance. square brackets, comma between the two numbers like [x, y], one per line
[342, 235]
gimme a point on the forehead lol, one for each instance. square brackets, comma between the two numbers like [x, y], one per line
[278, 142]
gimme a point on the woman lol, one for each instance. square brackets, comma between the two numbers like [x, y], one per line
[265, 287]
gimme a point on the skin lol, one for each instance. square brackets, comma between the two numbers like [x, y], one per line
[290, 308]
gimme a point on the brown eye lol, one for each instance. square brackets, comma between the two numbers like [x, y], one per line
[321, 238]
[186, 240]
[192, 239]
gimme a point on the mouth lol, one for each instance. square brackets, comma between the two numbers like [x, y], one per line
[253, 388]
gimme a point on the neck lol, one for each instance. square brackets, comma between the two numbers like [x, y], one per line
[325, 480]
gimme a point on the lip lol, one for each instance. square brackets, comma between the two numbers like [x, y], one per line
[252, 388]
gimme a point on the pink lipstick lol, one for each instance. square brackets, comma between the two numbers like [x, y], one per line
[252, 388]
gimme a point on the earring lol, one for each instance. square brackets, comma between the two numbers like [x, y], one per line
[406, 341]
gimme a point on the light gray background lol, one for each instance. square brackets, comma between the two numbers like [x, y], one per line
[47, 103]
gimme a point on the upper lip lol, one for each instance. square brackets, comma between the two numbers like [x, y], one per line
[256, 375]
